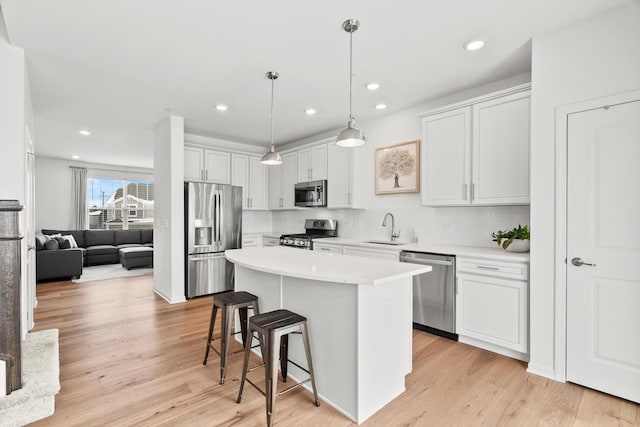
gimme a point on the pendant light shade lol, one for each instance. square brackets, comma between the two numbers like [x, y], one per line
[350, 136]
[271, 157]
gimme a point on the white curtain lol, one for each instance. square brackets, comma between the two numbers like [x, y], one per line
[78, 198]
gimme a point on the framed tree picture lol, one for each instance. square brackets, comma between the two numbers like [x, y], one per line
[397, 168]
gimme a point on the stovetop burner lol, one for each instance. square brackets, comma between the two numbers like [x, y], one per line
[315, 229]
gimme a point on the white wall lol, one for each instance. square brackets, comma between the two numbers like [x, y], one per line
[590, 59]
[53, 182]
[168, 235]
[455, 225]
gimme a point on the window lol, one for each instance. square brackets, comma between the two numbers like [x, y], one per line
[119, 204]
[133, 210]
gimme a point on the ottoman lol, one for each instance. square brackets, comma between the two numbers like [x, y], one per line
[138, 256]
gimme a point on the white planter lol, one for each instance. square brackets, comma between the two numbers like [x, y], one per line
[518, 245]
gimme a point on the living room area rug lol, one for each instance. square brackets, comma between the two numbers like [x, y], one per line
[110, 271]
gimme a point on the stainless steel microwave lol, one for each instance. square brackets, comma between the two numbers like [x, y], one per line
[311, 194]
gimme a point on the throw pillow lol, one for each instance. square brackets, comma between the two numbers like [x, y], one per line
[71, 240]
[52, 245]
[41, 239]
[63, 243]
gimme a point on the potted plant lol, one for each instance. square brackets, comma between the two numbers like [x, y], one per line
[514, 240]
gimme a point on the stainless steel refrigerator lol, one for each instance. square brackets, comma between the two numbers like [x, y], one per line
[213, 224]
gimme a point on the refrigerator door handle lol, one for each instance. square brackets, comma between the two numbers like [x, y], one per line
[218, 219]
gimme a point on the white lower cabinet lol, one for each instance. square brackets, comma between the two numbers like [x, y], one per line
[372, 253]
[270, 241]
[327, 247]
[492, 305]
[366, 252]
[251, 242]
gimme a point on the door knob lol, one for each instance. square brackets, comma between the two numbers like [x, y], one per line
[578, 262]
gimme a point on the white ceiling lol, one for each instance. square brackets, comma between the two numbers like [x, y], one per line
[116, 66]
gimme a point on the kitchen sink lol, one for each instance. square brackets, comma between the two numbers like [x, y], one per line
[386, 242]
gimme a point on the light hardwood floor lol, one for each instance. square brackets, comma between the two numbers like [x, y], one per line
[127, 358]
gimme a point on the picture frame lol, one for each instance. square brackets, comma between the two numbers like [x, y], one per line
[397, 168]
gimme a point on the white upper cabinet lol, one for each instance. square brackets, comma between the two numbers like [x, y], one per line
[477, 153]
[339, 177]
[193, 164]
[217, 167]
[205, 165]
[282, 180]
[446, 157]
[312, 163]
[251, 175]
[501, 150]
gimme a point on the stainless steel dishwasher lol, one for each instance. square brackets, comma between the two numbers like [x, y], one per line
[434, 297]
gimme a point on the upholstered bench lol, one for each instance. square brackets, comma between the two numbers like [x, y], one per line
[137, 256]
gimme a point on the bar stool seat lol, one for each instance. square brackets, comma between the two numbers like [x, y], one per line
[273, 329]
[228, 302]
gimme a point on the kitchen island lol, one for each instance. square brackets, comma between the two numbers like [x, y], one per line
[359, 314]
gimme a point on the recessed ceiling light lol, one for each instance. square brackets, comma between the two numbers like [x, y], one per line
[474, 45]
[310, 111]
[75, 157]
[84, 132]
[381, 106]
[221, 107]
[373, 86]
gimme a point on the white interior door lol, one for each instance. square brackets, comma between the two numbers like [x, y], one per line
[603, 209]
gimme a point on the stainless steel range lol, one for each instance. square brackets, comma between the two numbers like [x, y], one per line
[314, 229]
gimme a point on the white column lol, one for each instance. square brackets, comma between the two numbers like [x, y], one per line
[168, 239]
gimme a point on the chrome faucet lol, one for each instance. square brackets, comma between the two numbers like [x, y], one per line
[394, 234]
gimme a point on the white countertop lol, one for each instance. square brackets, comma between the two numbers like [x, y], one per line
[458, 250]
[322, 266]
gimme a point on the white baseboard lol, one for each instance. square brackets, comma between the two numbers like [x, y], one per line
[542, 371]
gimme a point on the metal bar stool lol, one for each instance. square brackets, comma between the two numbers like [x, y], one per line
[228, 302]
[271, 327]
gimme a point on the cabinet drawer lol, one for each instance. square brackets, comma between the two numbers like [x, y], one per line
[270, 241]
[322, 247]
[372, 253]
[509, 270]
[249, 242]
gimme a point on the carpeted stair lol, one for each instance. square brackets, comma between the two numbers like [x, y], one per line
[40, 381]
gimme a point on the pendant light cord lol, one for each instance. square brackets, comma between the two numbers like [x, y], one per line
[350, 75]
[272, 83]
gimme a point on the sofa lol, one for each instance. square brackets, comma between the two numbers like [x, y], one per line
[94, 247]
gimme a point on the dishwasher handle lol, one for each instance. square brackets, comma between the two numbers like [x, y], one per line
[425, 261]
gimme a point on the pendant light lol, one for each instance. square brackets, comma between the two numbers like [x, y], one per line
[350, 136]
[271, 157]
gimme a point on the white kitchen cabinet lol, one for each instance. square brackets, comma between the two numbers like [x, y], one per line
[492, 305]
[446, 158]
[201, 164]
[193, 164]
[327, 247]
[312, 163]
[282, 180]
[477, 152]
[389, 255]
[251, 175]
[340, 177]
[270, 241]
[501, 150]
[251, 242]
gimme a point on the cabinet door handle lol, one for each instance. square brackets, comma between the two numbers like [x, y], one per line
[349, 198]
[473, 191]
[464, 191]
[485, 267]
